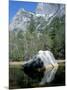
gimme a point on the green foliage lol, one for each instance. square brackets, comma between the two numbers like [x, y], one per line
[31, 27]
[57, 35]
[23, 45]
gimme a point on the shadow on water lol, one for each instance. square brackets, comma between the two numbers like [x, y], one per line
[18, 79]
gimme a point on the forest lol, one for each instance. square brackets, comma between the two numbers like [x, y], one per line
[23, 45]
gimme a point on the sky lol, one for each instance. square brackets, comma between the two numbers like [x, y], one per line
[14, 6]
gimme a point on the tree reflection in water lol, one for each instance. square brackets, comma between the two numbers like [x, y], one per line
[42, 77]
[49, 75]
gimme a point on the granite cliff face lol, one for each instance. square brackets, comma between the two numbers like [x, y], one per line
[30, 32]
[43, 16]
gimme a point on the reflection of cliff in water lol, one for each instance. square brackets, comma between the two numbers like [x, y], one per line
[44, 76]
[48, 75]
[41, 67]
[18, 79]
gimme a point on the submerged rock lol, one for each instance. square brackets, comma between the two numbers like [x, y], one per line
[43, 67]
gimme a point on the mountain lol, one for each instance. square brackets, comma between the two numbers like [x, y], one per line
[30, 32]
[43, 16]
[21, 20]
[49, 9]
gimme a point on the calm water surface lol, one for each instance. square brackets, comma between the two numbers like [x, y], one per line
[18, 79]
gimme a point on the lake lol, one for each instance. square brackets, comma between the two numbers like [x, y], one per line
[18, 79]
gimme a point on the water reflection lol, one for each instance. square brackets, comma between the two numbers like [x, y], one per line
[41, 67]
[49, 75]
[43, 77]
